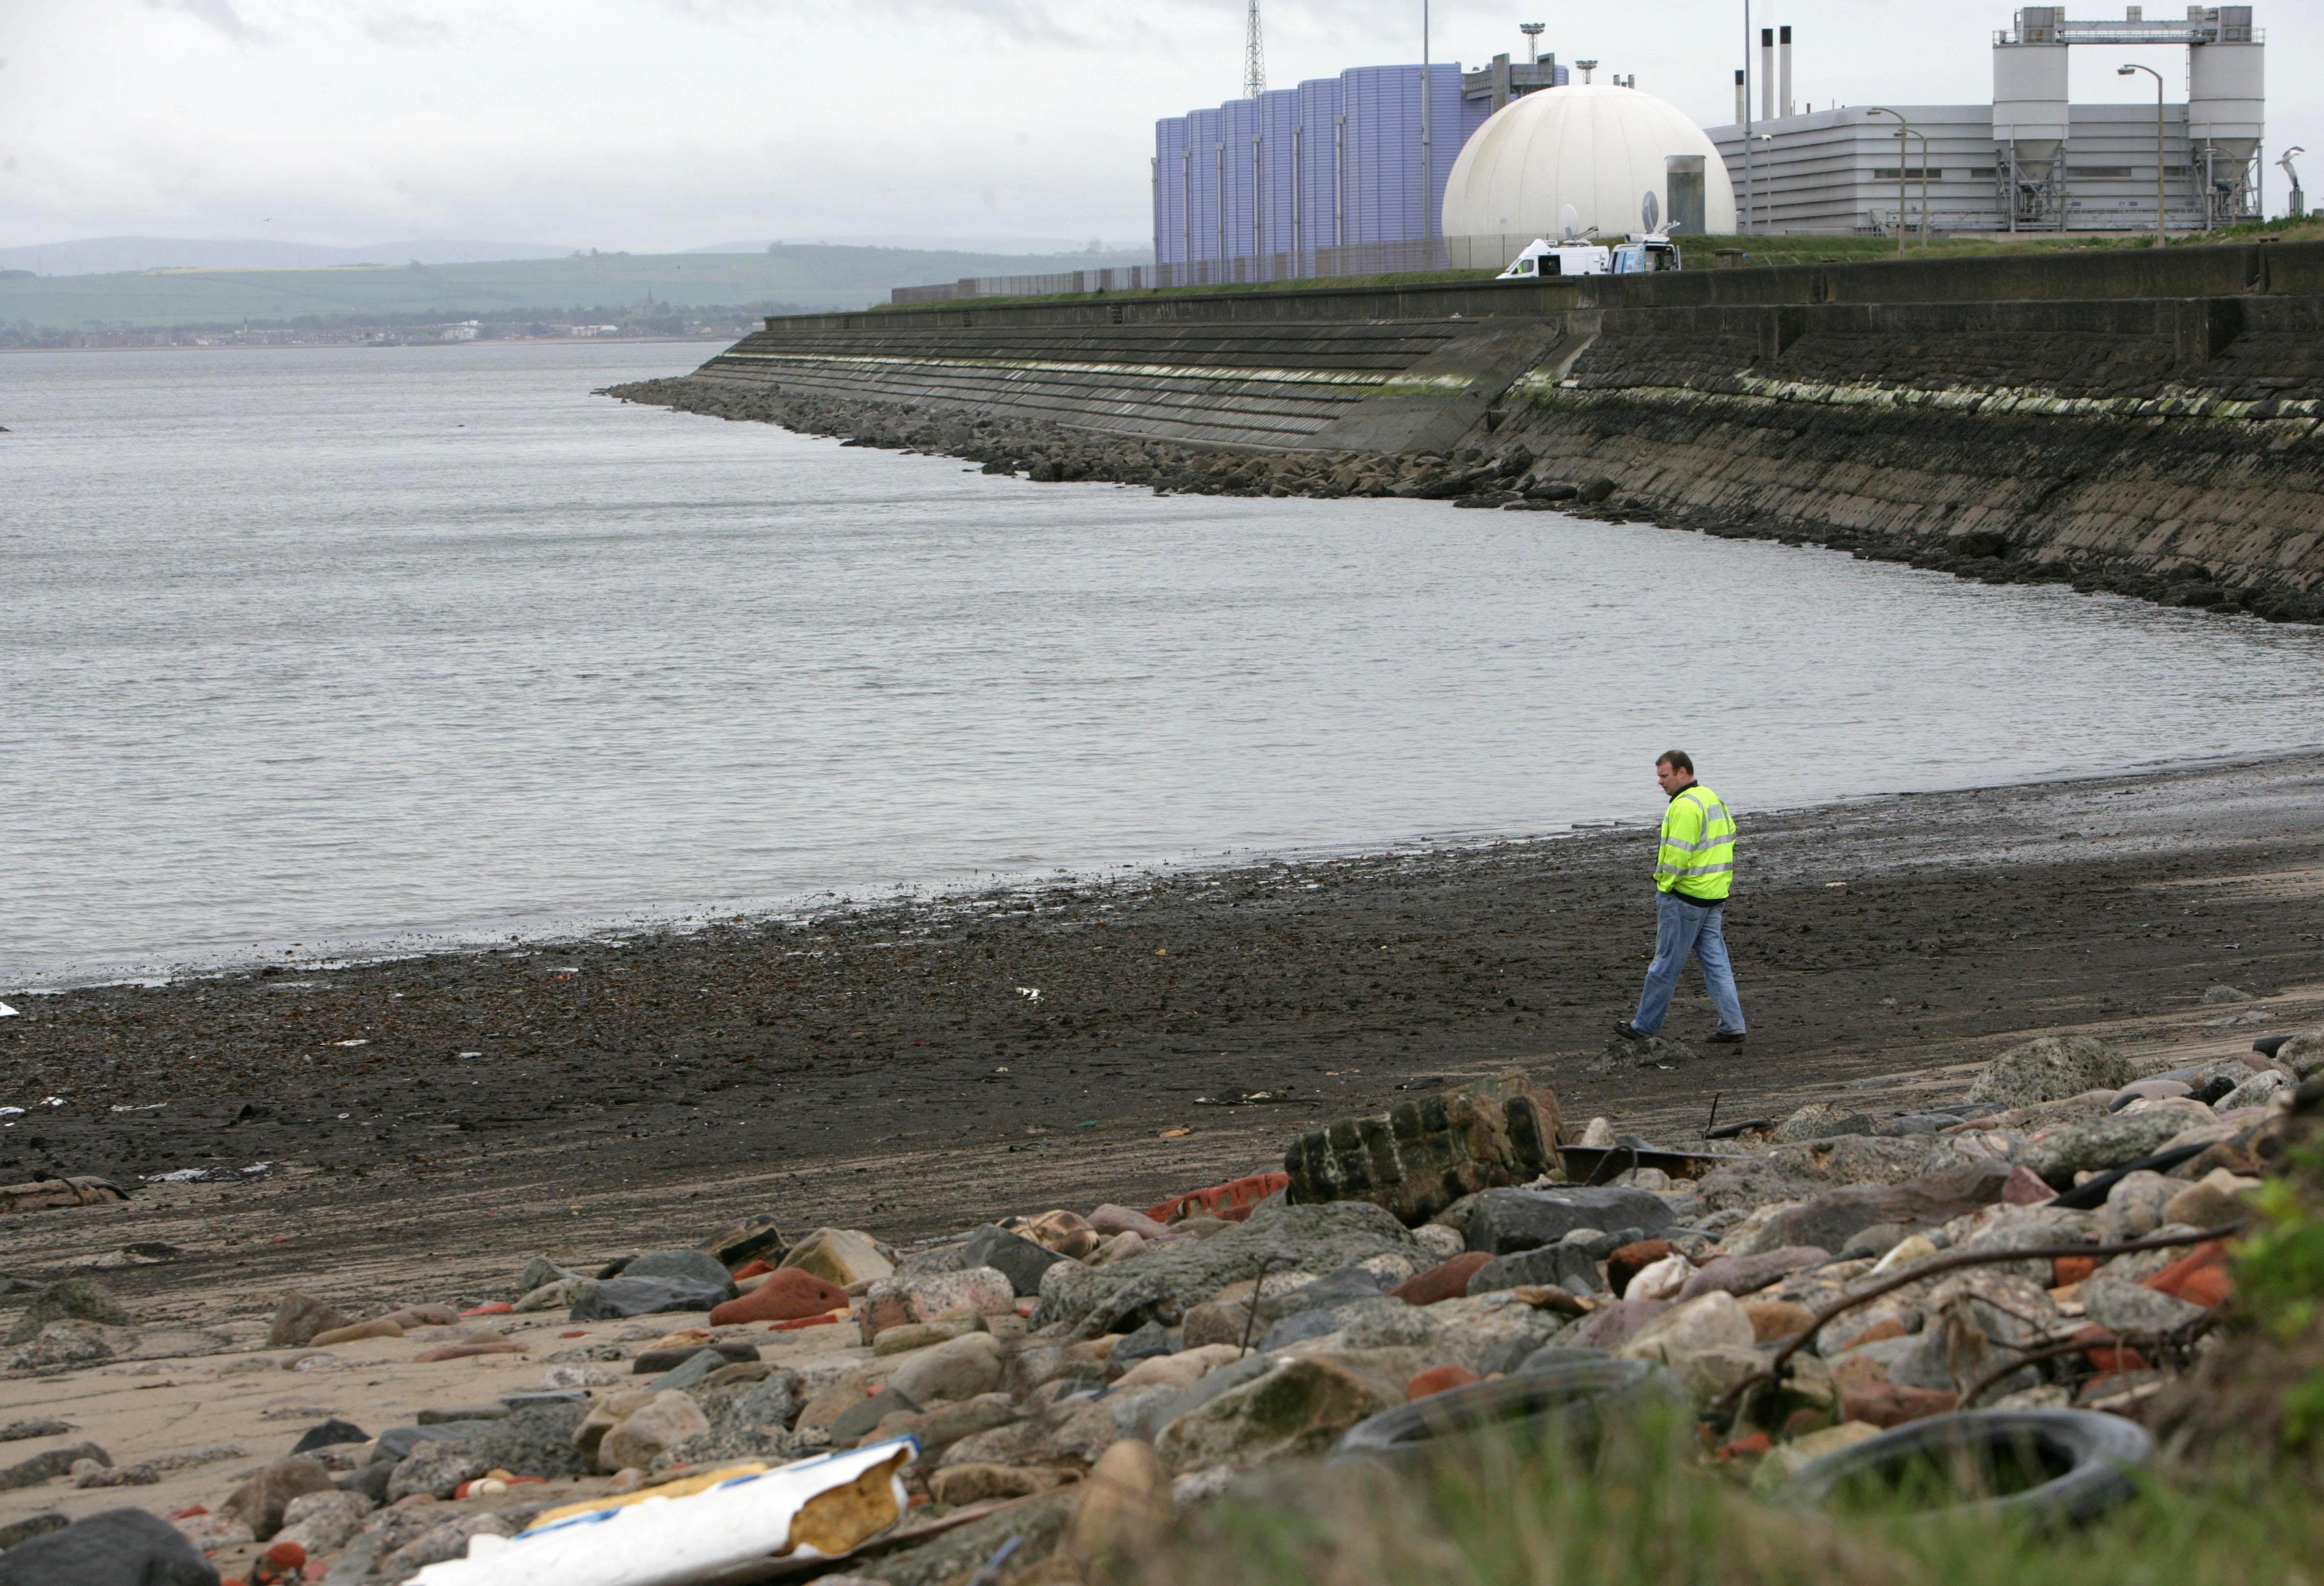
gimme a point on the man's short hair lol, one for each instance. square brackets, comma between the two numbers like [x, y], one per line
[1678, 758]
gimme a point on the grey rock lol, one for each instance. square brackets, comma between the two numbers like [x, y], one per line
[2101, 1143]
[1746, 1275]
[2217, 996]
[1562, 1266]
[1014, 1257]
[441, 1543]
[1145, 1344]
[119, 1547]
[1505, 1221]
[860, 1418]
[1822, 1120]
[435, 1469]
[70, 1299]
[532, 1440]
[370, 1480]
[46, 1427]
[329, 1434]
[1317, 1239]
[696, 1366]
[397, 1441]
[538, 1273]
[612, 1298]
[2257, 1091]
[1829, 1220]
[1651, 1052]
[298, 1317]
[29, 1526]
[695, 1267]
[1036, 1525]
[48, 1466]
[1387, 1324]
[2118, 1304]
[2050, 1068]
[753, 1421]
[1611, 1326]
[1301, 1326]
[2304, 1054]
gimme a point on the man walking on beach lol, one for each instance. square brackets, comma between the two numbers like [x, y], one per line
[1695, 869]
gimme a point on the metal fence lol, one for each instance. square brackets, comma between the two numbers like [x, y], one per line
[1457, 252]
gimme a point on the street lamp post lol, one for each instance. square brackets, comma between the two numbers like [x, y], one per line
[1903, 197]
[2160, 234]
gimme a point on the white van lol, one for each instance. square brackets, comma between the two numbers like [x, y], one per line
[1543, 258]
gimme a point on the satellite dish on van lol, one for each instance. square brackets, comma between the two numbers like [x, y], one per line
[1569, 222]
[1650, 209]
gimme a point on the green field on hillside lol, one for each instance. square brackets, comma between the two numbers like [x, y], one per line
[806, 276]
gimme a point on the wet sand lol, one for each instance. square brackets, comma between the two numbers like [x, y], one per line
[435, 1121]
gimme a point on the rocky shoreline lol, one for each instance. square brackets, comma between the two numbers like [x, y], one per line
[1053, 1394]
[1505, 477]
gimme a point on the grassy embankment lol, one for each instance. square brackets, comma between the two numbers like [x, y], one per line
[1701, 253]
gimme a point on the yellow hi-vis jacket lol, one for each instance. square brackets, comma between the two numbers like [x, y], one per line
[1697, 857]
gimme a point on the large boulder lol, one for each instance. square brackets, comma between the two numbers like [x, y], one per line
[1421, 1155]
[1504, 1221]
[2050, 1068]
[2101, 1143]
[685, 1266]
[119, 1547]
[1300, 1406]
[1162, 1283]
[843, 1256]
[1829, 1220]
[1560, 1265]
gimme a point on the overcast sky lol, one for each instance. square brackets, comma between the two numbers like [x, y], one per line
[657, 125]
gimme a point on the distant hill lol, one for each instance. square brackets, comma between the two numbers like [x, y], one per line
[1103, 259]
[98, 256]
[804, 276]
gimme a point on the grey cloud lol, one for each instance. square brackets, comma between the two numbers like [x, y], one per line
[404, 29]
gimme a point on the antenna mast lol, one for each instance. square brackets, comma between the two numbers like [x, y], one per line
[1254, 58]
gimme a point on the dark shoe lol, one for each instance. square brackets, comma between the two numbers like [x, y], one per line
[1630, 1032]
[1724, 1038]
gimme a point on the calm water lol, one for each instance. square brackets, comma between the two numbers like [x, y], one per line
[350, 648]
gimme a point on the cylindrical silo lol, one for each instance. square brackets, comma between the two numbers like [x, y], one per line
[2227, 112]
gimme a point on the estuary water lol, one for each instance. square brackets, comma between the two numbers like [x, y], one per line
[342, 650]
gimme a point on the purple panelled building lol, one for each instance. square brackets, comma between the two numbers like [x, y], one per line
[1337, 162]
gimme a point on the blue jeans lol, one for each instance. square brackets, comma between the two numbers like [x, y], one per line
[1680, 929]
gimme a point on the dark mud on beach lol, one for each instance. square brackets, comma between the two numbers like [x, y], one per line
[892, 1067]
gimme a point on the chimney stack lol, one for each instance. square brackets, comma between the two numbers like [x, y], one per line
[1787, 40]
[1767, 74]
[1742, 100]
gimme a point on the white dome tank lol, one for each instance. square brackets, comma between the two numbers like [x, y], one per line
[1598, 147]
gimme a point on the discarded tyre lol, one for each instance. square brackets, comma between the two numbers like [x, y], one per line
[2054, 1468]
[1570, 1400]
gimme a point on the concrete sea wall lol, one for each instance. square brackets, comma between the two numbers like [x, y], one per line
[2143, 420]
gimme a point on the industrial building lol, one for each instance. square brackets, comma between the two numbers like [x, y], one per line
[2030, 162]
[1283, 184]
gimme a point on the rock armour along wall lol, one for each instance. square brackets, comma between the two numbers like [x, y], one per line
[2146, 423]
